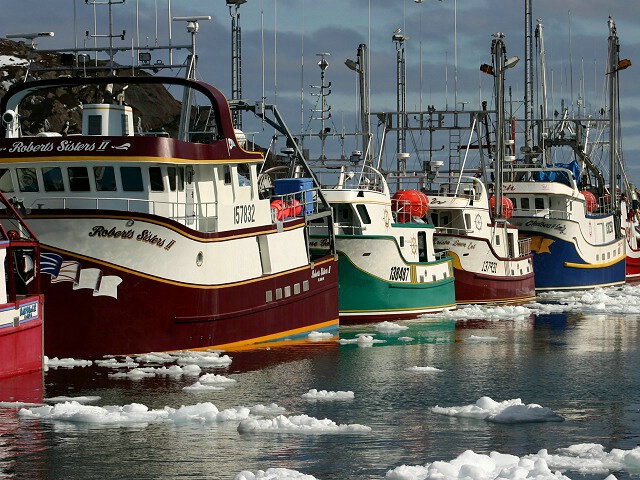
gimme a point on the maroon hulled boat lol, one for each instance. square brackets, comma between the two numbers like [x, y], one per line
[168, 239]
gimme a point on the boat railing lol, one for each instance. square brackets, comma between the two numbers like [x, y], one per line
[346, 229]
[524, 246]
[453, 231]
[542, 213]
[350, 177]
[469, 187]
[200, 216]
[301, 203]
[441, 254]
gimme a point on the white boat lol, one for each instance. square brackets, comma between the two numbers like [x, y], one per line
[491, 263]
[387, 264]
[573, 223]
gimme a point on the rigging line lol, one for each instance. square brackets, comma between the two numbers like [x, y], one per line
[570, 65]
[302, 78]
[262, 60]
[275, 51]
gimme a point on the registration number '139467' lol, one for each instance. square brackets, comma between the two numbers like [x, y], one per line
[399, 274]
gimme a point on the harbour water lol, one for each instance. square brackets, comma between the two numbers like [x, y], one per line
[575, 355]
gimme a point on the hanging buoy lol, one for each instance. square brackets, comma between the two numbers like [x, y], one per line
[591, 200]
[507, 206]
[407, 204]
[282, 212]
[295, 208]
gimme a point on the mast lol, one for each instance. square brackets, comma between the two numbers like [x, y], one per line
[236, 59]
[401, 75]
[528, 76]
[360, 67]
[500, 64]
[543, 88]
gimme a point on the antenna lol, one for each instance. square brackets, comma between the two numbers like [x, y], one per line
[31, 36]
[192, 28]
[236, 59]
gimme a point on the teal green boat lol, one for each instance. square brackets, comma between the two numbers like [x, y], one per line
[387, 264]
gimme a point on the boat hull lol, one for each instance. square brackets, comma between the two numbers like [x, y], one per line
[476, 288]
[633, 265]
[21, 329]
[365, 296]
[561, 268]
[181, 317]
[146, 284]
[484, 277]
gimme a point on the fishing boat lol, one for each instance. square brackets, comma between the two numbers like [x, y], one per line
[21, 304]
[165, 239]
[631, 231]
[491, 263]
[564, 206]
[387, 264]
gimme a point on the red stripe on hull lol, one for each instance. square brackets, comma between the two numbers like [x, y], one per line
[633, 265]
[153, 316]
[474, 288]
[21, 348]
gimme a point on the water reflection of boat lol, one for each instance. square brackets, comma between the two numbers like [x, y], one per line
[21, 303]
[23, 388]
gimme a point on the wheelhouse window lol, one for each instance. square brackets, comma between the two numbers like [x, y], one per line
[364, 215]
[52, 179]
[155, 179]
[227, 174]
[539, 203]
[176, 178]
[172, 174]
[131, 179]
[524, 203]
[78, 179]
[6, 183]
[105, 179]
[27, 180]
[423, 253]
[95, 125]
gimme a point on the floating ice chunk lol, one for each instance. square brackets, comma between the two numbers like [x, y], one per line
[273, 474]
[212, 378]
[299, 424]
[314, 394]
[267, 410]
[204, 359]
[127, 362]
[389, 327]
[75, 412]
[507, 411]
[199, 387]
[85, 399]
[362, 340]
[317, 336]
[56, 362]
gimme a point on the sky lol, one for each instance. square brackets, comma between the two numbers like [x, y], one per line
[447, 42]
[565, 463]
